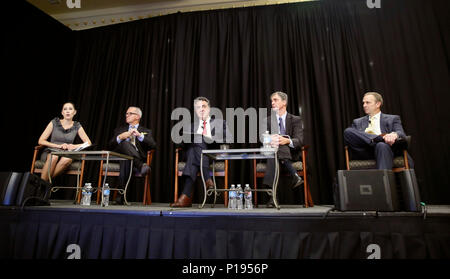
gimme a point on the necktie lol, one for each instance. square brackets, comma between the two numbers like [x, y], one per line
[204, 128]
[133, 138]
[371, 128]
[282, 129]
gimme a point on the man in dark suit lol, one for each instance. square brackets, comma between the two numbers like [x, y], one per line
[133, 140]
[208, 133]
[287, 134]
[377, 135]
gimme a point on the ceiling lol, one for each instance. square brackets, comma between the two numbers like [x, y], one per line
[85, 14]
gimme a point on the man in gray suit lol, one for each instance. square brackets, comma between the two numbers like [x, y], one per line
[376, 135]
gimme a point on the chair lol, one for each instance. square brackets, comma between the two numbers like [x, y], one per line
[220, 167]
[400, 162]
[114, 170]
[75, 168]
[259, 170]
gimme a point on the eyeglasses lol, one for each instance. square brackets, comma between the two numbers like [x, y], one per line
[129, 113]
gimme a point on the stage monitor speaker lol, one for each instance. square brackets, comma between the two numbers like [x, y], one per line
[33, 190]
[9, 183]
[410, 190]
[361, 190]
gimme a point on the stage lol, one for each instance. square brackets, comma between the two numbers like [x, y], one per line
[64, 230]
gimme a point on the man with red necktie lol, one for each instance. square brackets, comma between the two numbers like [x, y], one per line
[211, 137]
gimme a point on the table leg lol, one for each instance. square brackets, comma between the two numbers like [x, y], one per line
[203, 180]
[275, 182]
[214, 180]
[77, 196]
[128, 181]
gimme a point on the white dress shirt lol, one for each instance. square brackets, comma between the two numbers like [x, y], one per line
[141, 138]
[375, 120]
[208, 127]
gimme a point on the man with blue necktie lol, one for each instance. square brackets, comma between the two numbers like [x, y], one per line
[288, 136]
[376, 135]
[134, 140]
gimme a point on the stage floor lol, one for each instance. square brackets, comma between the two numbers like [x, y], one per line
[162, 209]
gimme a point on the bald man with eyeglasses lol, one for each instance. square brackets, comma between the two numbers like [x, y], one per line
[134, 140]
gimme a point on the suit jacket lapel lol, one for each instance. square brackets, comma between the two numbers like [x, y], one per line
[365, 122]
[288, 124]
[382, 124]
[213, 129]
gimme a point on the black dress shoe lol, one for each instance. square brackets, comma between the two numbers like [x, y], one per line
[119, 200]
[297, 181]
[270, 203]
[209, 184]
[144, 169]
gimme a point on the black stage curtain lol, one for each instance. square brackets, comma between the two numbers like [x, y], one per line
[46, 234]
[36, 58]
[324, 54]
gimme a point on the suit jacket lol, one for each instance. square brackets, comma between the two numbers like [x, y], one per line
[193, 150]
[295, 131]
[388, 123]
[147, 144]
[220, 134]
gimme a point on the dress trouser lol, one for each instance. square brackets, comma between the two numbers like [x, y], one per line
[270, 170]
[362, 147]
[192, 167]
[127, 148]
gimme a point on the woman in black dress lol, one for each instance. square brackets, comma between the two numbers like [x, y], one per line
[62, 133]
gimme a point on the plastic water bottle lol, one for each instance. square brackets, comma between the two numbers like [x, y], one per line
[266, 142]
[239, 197]
[105, 195]
[232, 197]
[87, 194]
[248, 197]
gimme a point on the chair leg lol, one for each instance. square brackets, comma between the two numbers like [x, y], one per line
[225, 196]
[176, 177]
[405, 158]
[147, 198]
[347, 159]
[307, 193]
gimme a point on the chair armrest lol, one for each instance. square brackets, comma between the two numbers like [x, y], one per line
[403, 143]
[150, 154]
[35, 153]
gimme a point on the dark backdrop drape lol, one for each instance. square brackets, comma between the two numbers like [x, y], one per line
[324, 54]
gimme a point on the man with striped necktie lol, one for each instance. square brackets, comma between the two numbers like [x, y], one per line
[134, 140]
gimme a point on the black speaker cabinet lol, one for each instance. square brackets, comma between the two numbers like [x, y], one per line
[361, 190]
[33, 190]
[410, 190]
[9, 183]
